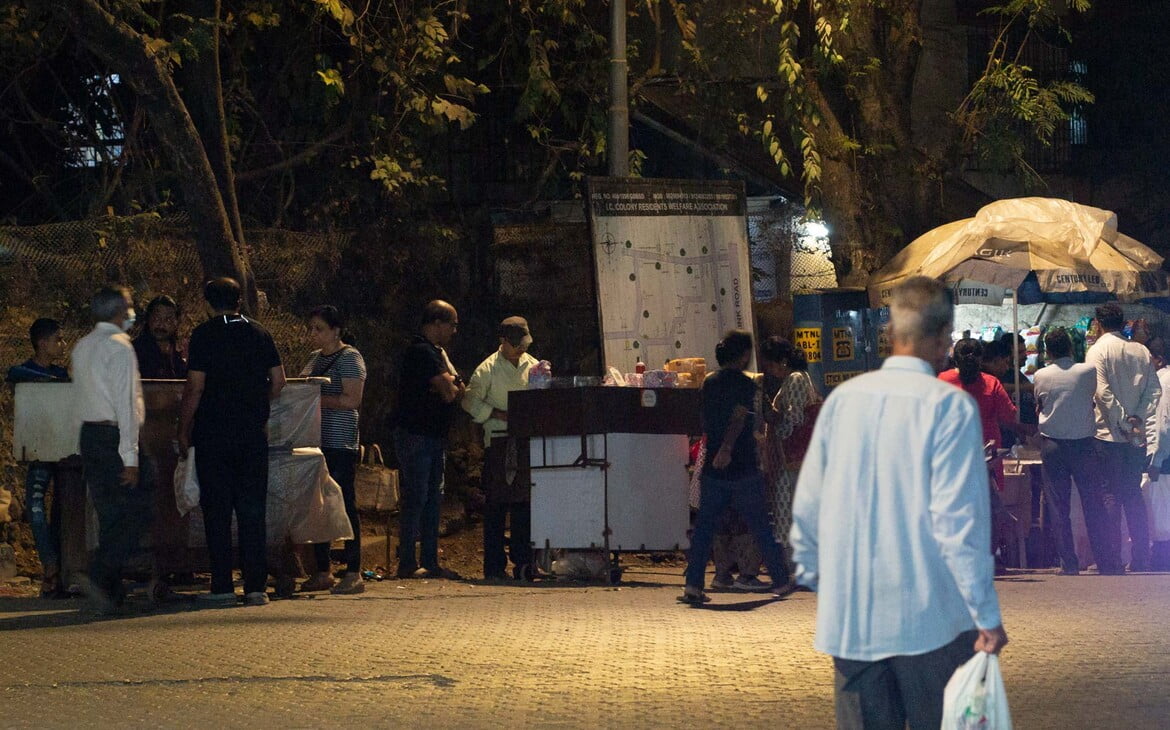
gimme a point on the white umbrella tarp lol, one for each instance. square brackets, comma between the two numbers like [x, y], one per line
[1074, 252]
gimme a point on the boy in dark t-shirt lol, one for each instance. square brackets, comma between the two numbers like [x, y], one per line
[48, 349]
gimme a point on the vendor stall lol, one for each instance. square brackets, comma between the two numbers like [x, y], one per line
[1054, 257]
[609, 465]
[304, 504]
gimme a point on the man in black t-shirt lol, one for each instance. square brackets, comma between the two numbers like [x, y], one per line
[429, 390]
[731, 474]
[233, 372]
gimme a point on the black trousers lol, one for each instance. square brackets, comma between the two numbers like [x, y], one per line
[1065, 460]
[519, 542]
[507, 502]
[123, 511]
[342, 465]
[890, 693]
[1123, 465]
[233, 477]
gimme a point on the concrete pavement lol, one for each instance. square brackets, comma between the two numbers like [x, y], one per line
[1086, 652]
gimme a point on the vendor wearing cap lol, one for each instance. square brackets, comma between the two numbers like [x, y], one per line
[505, 463]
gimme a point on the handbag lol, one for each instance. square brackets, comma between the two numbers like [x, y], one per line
[375, 486]
[974, 698]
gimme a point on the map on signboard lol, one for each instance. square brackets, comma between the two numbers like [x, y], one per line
[672, 267]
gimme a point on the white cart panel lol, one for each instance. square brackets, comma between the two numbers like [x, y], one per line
[647, 503]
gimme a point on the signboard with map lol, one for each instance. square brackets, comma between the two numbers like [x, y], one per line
[673, 272]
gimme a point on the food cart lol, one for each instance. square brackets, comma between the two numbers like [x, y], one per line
[609, 466]
[304, 504]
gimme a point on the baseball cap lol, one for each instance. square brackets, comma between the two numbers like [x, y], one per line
[515, 331]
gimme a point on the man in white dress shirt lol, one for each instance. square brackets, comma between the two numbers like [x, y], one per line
[110, 408]
[892, 525]
[1127, 402]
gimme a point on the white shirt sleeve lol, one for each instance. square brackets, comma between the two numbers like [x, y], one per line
[960, 507]
[129, 408]
[806, 506]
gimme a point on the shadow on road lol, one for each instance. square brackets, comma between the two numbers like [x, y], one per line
[737, 606]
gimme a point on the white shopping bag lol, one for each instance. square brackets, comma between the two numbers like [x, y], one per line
[975, 698]
[1157, 493]
[186, 483]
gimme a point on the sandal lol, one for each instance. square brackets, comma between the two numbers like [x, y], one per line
[350, 584]
[319, 582]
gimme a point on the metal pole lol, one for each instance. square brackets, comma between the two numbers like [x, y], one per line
[618, 141]
[1016, 350]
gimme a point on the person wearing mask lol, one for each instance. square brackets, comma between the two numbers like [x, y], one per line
[731, 472]
[341, 398]
[233, 374]
[1064, 402]
[429, 391]
[891, 522]
[157, 346]
[48, 349]
[1127, 401]
[111, 411]
[505, 461]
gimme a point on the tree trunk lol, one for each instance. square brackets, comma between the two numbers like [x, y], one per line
[125, 51]
[202, 91]
[879, 198]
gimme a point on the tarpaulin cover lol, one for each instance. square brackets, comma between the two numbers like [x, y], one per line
[1043, 248]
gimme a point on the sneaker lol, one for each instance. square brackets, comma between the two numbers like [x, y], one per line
[693, 596]
[217, 599]
[319, 582]
[256, 598]
[783, 590]
[350, 584]
[720, 583]
[751, 584]
[102, 602]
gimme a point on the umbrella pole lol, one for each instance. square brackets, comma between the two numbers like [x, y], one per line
[1016, 349]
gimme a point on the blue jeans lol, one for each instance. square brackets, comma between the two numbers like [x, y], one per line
[421, 460]
[45, 531]
[747, 496]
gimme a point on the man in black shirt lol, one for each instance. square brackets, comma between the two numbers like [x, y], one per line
[429, 390]
[157, 346]
[233, 372]
[731, 474]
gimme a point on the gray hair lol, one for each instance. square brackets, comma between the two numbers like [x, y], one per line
[108, 303]
[921, 308]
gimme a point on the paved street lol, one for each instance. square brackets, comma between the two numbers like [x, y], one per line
[1086, 652]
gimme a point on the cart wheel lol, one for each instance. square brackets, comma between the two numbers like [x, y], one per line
[159, 591]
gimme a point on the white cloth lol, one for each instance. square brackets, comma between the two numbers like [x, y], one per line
[105, 370]
[488, 389]
[891, 518]
[1064, 399]
[1159, 446]
[1126, 386]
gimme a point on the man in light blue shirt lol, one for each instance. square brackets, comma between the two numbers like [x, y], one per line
[892, 526]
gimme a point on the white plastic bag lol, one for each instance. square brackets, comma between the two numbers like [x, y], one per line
[186, 483]
[975, 698]
[1157, 494]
